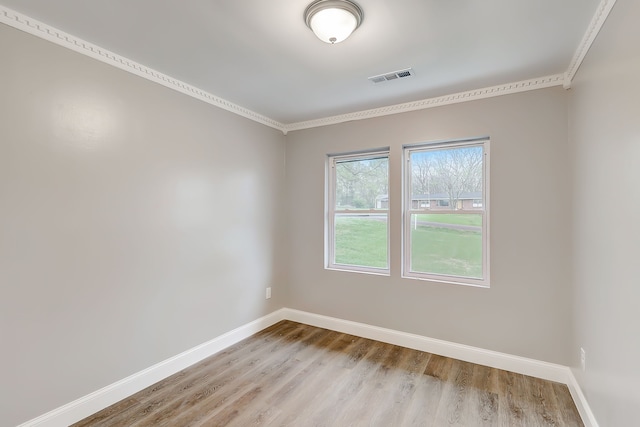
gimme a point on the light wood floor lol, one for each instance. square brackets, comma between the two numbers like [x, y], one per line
[297, 375]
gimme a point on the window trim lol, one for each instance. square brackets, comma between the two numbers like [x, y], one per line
[408, 210]
[331, 211]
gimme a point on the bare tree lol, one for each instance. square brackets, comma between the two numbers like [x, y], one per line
[359, 182]
[451, 171]
[421, 168]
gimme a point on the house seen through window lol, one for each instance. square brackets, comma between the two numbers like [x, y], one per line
[445, 212]
[358, 212]
[446, 239]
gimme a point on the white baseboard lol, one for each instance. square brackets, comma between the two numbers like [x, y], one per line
[579, 398]
[107, 396]
[494, 359]
[98, 400]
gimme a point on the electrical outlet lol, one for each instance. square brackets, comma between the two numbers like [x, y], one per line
[583, 359]
[268, 292]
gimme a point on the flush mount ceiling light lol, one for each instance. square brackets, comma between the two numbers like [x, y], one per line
[332, 21]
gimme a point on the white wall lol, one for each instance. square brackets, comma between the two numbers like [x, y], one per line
[526, 311]
[605, 142]
[135, 223]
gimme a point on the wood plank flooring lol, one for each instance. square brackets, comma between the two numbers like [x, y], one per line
[297, 375]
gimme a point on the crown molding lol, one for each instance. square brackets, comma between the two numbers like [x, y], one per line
[456, 98]
[601, 15]
[44, 31]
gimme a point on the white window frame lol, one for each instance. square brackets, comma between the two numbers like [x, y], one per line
[408, 211]
[331, 212]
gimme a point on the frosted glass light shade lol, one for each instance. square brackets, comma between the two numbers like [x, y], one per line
[332, 21]
[333, 25]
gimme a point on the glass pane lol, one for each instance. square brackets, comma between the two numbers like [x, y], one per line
[448, 244]
[447, 179]
[361, 240]
[362, 184]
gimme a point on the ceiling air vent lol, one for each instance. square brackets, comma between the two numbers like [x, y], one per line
[392, 76]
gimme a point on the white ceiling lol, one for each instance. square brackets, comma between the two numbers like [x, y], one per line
[260, 55]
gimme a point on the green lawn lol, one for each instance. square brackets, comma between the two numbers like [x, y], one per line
[446, 251]
[363, 242]
[461, 219]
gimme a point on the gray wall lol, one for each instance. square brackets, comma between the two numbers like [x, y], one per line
[135, 223]
[526, 311]
[605, 142]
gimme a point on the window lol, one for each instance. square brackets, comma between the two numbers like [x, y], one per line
[447, 241]
[358, 212]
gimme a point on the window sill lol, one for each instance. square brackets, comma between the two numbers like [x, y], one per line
[375, 272]
[450, 281]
